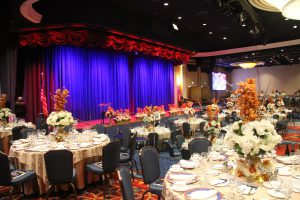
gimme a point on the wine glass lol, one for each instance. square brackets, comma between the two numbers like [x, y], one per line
[43, 132]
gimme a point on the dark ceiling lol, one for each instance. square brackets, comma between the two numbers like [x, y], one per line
[151, 19]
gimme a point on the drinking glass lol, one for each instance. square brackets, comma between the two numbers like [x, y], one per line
[286, 189]
[43, 132]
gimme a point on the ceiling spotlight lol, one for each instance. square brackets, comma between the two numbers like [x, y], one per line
[253, 54]
[243, 25]
[292, 58]
[175, 27]
[210, 33]
[247, 65]
[224, 38]
[295, 26]
[179, 17]
[166, 4]
[204, 24]
[282, 50]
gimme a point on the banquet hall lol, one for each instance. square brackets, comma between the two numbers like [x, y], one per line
[150, 99]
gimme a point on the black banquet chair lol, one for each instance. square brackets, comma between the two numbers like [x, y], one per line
[153, 140]
[151, 170]
[129, 157]
[110, 160]
[199, 145]
[59, 168]
[100, 128]
[125, 184]
[15, 177]
[16, 132]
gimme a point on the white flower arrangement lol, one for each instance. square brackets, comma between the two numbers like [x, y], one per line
[271, 107]
[262, 108]
[252, 138]
[188, 111]
[153, 117]
[5, 113]
[60, 119]
[122, 117]
[212, 127]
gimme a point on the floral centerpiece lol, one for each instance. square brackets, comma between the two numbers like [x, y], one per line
[5, 113]
[262, 109]
[110, 113]
[161, 110]
[187, 109]
[280, 104]
[122, 116]
[60, 118]
[230, 105]
[212, 127]
[152, 117]
[141, 113]
[173, 109]
[252, 137]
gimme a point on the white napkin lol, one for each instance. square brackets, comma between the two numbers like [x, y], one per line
[182, 177]
[202, 194]
[84, 144]
[285, 171]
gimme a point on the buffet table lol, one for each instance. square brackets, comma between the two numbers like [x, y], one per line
[199, 178]
[29, 155]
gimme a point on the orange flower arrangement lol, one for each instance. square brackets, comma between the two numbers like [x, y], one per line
[60, 99]
[247, 100]
[213, 110]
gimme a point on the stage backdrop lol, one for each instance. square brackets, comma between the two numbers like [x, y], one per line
[94, 76]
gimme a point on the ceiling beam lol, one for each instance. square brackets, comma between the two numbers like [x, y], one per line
[247, 49]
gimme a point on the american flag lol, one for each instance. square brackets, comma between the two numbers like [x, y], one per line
[43, 97]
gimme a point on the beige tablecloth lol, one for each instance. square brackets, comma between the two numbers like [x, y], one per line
[35, 161]
[163, 132]
[5, 136]
[261, 192]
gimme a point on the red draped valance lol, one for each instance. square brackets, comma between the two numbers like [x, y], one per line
[92, 39]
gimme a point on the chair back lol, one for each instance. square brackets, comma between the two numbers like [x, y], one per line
[25, 132]
[186, 127]
[5, 176]
[112, 131]
[150, 164]
[179, 141]
[100, 128]
[173, 136]
[132, 145]
[198, 145]
[153, 139]
[111, 156]
[125, 183]
[59, 166]
[201, 126]
[126, 137]
[39, 121]
[16, 132]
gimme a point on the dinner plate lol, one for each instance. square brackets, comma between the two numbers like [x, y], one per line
[297, 176]
[218, 166]
[190, 178]
[176, 169]
[267, 184]
[247, 190]
[276, 194]
[202, 193]
[180, 187]
[219, 182]
[285, 171]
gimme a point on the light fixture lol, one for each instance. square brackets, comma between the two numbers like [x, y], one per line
[224, 38]
[179, 17]
[210, 33]
[282, 50]
[175, 27]
[247, 64]
[295, 26]
[243, 25]
[288, 8]
[29, 12]
[166, 4]
[204, 24]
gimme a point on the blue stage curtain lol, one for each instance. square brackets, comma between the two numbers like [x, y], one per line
[153, 82]
[92, 77]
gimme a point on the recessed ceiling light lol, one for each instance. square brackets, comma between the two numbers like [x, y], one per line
[224, 38]
[282, 50]
[295, 26]
[253, 54]
[244, 25]
[175, 27]
[292, 58]
[271, 61]
[204, 24]
[166, 4]
[210, 33]
[179, 17]
[246, 56]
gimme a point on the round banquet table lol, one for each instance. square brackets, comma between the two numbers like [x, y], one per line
[34, 160]
[200, 183]
[163, 132]
[194, 122]
[221, 117]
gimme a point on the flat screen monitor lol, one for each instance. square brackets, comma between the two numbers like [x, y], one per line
[218, 81]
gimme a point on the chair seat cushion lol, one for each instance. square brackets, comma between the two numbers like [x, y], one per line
[124, 157]
[95, 168]
[156, 187]
[19, 177]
